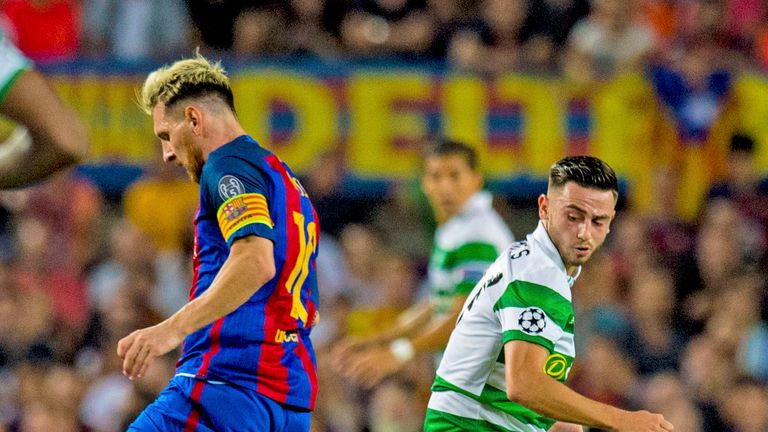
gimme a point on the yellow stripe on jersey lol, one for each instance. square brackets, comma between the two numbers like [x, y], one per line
[242, 210]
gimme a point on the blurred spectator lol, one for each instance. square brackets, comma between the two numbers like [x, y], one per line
[136, 29]
[608, 41]
[745, 406]
[706, 369]
[311, 29]
[61, 20]
[164, 189]
[665, 393]
[655, 346]
[395, 407]
[387, 27]
[497, 43]
[743, 186]
[260, 31]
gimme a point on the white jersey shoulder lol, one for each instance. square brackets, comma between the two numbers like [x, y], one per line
[478, 222]
[12, 63]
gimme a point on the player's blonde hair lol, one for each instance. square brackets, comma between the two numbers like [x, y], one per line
[186, 78]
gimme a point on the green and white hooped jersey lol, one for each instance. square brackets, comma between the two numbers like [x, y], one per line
[463, 249]
[525, 295]
[12, 64]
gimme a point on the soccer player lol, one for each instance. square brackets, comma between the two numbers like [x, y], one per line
[469, 237]
[247, 361]
[49, 137]
[513, 345]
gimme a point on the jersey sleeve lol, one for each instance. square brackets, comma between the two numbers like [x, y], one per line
[237, 191]
[12, 64]
[533, 313]
[468, 263]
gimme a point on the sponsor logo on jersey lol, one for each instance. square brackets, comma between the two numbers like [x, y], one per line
[556, 366]
[281, 336]
[230, 186]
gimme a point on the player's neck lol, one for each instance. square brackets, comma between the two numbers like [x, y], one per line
[220, 133]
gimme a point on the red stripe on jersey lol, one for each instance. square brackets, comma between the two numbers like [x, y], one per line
[277, 309]
[194, 417]
[195, 274]
[214, 336]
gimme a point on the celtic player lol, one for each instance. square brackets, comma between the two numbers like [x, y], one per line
[48, 136]
[512, 348]
[469, 237]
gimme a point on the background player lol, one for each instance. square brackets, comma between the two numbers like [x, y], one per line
[247, 362]
[49, 136]
[469, 237]
[513, 344]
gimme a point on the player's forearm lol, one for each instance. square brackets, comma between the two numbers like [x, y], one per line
[239, 278]
[435, 336]
[555, 400]
[56, 137]
[25, 159]
[413, 318]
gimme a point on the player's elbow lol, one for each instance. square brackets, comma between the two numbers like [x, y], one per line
[519, 389]
[267, 270]
[76, 141]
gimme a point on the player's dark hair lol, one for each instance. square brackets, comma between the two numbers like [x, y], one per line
[447, 147]
[586, 171]
[190, 90]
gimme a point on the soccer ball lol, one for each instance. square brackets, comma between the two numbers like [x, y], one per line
[532, 321]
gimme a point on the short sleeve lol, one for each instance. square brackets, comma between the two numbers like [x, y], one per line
[12, 64]
[237, 191]
[533, 313]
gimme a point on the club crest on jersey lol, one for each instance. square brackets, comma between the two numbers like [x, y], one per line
[234, 208]
[230, 186]
[532, 321]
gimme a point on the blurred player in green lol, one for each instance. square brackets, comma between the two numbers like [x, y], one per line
[469, 237]
[49, 136]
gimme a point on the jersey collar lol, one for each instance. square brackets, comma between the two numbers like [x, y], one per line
[480, 201]
[542, 237]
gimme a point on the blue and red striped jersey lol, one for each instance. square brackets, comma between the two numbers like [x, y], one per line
[264, 344]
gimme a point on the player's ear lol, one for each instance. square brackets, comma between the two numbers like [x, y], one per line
[194, 117]
[543, 207]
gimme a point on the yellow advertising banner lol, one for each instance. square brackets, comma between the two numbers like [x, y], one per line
[519, 124]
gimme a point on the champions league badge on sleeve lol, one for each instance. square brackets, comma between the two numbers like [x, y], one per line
[532, 321]
[230, 186]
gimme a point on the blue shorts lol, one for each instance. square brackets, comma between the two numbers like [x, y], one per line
[191, 405]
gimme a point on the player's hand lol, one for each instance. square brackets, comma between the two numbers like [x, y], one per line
[565, 427]
[140, 348]
[370, 366]
[346, 348]
[643, 421]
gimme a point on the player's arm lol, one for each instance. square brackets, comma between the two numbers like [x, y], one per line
[52, 136]
[249, 266]
[372, 365]
[529, 386]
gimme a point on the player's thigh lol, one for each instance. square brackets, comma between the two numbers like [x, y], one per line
[171, 411]
[438, 421]
[231, 408]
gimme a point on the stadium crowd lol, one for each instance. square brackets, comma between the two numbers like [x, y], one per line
[672, 315]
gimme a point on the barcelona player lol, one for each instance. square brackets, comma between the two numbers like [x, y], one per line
[247, 361]
[49, 136]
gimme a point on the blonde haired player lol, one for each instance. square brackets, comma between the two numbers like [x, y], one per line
[49, 137]
[247, 361]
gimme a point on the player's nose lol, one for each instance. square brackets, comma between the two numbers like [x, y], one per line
[168, 155]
